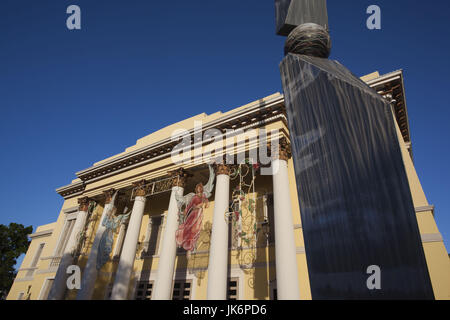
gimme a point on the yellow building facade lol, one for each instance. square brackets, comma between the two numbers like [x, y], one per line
[231, 250]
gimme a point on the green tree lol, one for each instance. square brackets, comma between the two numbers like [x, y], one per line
[13, 242]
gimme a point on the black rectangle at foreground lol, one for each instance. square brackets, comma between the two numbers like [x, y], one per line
[355, 201]
[176, 309]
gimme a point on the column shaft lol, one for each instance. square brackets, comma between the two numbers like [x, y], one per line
[59, 284]
[119, 241]
[123, 274]
[218, 252]
[285, 249]
[166, 265]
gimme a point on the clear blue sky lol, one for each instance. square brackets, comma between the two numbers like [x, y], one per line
[71, 98]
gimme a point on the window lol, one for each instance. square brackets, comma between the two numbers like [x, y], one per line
[46, 289]
[65, 235]
[35, 260]
[182, 290]
[144, 290]
[233, 289]
[153, 236]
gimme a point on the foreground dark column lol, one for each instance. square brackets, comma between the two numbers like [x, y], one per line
[355, 201]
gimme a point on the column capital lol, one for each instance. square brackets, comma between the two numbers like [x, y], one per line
[222, 169]
[179, 177]
[284, 150]
[83, 204]
[140, 188]
[109, 194]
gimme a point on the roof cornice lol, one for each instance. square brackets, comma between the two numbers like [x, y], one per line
[235, 120]
[256, 114]
[393, 83]
[71, 190]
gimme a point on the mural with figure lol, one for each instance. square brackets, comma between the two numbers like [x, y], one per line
[190, 218]
[110, 222]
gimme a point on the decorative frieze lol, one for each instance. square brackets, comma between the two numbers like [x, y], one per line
[109, 195]
[83, 204]
[222, 169]
[148, 188]
[258, 114]
[140, 188]
[72, 189]
[179, 177]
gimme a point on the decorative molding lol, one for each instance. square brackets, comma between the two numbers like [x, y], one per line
[72, 216]
[155, 186]
[392, 83]
[50, 270]
[44, 233]
[257, 114]
[279, 116]
[222, 169]
[139, 188]
[300, 250]
[179, 177]
[24, 279]
[71, 210]
[26, 269]
[425, 209]
[83, 203]
[285, 152]
[431, 237]
[72, 190]
[50, 257]
[109, 195]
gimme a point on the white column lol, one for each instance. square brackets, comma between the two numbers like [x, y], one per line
[285, 250]
[218, 251]
[168, 252]
[59, 284]
[90, 272]
[126, 262]
[120, 238]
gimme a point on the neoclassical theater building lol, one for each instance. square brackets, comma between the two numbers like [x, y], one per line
[140, 225]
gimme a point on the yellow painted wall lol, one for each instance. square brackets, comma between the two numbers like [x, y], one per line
[435, 252]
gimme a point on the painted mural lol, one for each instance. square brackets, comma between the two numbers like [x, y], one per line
[190, 214]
